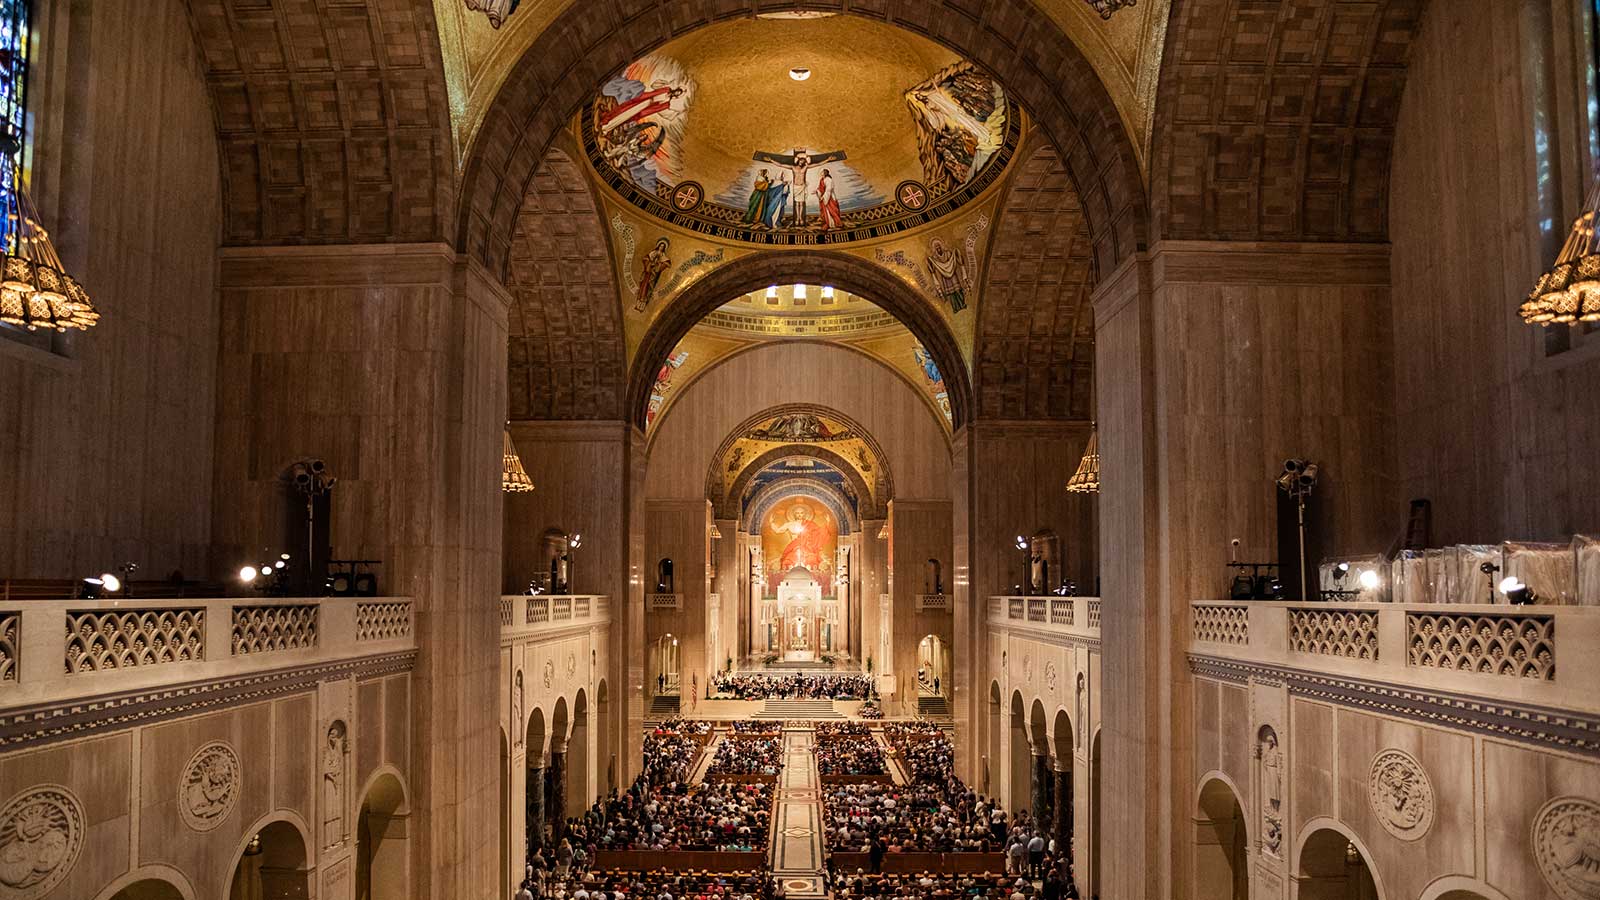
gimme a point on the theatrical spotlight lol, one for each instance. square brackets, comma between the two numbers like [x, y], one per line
[1518, 593]
[98, 587]
[1368, 579]
[270, 577]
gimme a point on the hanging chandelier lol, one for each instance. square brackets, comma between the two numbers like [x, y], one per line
[1570, 290]
[513, 477]
[35, 291]
[1106, 7]
[1087, 479]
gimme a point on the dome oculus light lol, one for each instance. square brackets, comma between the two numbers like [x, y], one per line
[800, 73]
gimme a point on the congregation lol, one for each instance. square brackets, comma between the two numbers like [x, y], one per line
[849, 755]
[747, 756]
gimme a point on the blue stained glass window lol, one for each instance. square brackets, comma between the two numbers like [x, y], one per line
[14, 33]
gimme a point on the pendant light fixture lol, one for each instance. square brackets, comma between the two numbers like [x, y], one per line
[1569, 291]
[513, 477]
[1087, 479]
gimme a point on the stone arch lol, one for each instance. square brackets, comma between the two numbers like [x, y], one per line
[812, 266]
[538, 740]
[1034, 348]
[605, 755]
[152, 882]
[579, 760]
[383, 854]
[286, 845]
[1026, 50]
[560, 722]
[565, 347]
[1278, 125]
[1221, 840]
[827, 494]
[1319, 851]
[1062, 738]
[333, 125]
[882, 486]
[1038, 725]
[1461, 887]
[1020, 782]
[991, 782]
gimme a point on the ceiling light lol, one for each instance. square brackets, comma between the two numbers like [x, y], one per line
[827, 292]
[800, 293]
[1087, 479]
[1569, 291]
[799, 73]
[35, 290]
[513, 477]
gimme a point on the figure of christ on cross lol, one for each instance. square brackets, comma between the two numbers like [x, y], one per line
[798, 162]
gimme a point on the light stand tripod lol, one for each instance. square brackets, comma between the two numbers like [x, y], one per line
[1298, 478]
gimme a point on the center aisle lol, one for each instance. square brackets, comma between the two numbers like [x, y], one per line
[797, 848]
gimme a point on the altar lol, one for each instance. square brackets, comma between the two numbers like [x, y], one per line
[802, 620]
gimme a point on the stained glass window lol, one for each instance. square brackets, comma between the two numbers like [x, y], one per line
[14, 22]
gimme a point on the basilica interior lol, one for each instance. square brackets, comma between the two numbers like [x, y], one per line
[933, 449]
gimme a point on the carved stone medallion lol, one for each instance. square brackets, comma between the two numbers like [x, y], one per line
[1566, 835]
[41, 835]
[210, 786]
[1401, 795]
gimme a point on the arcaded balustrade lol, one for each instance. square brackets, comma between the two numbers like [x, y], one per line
[1533, 654]
[549, 612]
[55, 650]
[1051, 614]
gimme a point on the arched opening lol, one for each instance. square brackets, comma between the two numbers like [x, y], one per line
[1221, 845]
[933, 667]
[605, 754]
[1097, 835]
[273, 863]
[1334, 867]
[1042, 782]
[579, 756]
[991, 763]
[149, 889]
[555, 774]
[1019, 786]
[533, 797]
[664, 662]
[1063, 805]
[383, 851]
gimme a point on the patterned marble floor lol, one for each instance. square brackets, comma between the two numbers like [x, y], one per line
[797, 851]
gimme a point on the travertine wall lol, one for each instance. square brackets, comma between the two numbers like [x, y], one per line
[105, 451]
[1498, 435]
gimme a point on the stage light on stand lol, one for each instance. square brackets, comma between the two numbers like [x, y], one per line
[1518, 593]
[247, 574]
[1298, 478]
[1368, 579]
[1488, 569]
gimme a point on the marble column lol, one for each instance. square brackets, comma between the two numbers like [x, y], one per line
[1043, 793]
[535, 807]
[556, 795]
[1062, 808]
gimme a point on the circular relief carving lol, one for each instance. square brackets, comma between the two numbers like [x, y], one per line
[41, 835]
[549, 672]
[1565, 834]
[210, 786]
[1401, 794]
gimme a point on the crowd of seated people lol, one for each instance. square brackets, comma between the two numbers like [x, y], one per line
[840, 729]
[676, 816]
[679, 725]
[940, 886]
[747, 756]
[761, 686]
[925, 750]
[913, 818]
[661, 884]
[849, 755]
[756, 726]
[668, 757]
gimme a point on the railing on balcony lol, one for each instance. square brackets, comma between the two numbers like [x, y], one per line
[542, 612]
[52, 650]
[1509, 652]
[1066, 615]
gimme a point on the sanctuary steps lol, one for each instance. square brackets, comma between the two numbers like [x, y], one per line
[797, 709]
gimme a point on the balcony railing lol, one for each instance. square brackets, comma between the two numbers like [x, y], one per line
[520, 613]
[1063, 615]
[53, 650]
[1536, 654]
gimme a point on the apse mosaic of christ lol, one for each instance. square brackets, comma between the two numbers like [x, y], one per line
[800, 531]
[720, 134]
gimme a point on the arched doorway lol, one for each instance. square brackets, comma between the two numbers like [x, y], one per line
[533, 798]
[1020, 785]
[1064, 787]
[664, 663]
[145, 889]
[555, 774]
[1221, 844]
[271, 864]
[1333, 866]
[579, 757]
[1040, 783]
[383, 855]
[933, 667]
[605, 754]
[992, 762]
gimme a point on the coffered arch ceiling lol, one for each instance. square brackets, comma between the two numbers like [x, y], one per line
[1275, 120]
[799, 431]
[1035, 341]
